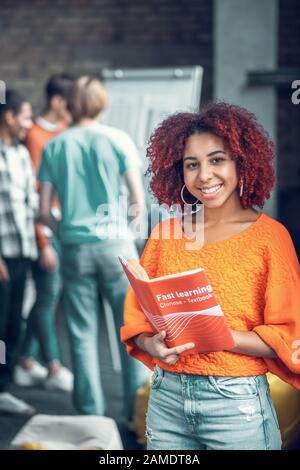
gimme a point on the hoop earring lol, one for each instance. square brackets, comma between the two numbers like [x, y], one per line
[182, 198]
[241, 189]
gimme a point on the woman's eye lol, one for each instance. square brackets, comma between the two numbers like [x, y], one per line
[191, 166]
[217, 160]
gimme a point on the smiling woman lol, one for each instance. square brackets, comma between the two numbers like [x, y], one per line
[222, 158]
[232, 138]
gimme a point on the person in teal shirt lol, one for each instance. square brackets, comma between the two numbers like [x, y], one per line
[88, 166]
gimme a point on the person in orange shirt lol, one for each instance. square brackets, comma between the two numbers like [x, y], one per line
[41, 331]
[220, 160]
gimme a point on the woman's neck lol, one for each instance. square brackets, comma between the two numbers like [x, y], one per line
[228, 212]
[51, 116]
[86, 122]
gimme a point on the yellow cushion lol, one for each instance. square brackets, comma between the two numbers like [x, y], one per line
[287, 404]
[140, 410]
[32, 446]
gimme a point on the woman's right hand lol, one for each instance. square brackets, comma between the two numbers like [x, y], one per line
[156, 346]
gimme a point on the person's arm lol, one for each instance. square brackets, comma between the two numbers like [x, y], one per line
[136, 196]
[130, 166]
[46, 178]
[248, 342]
[46, 198]
[32, 195]
[41, 238]
[280, 329]
[135, 321]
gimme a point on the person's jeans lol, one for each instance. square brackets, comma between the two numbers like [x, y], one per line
[41, 335]
[11, 303]
[89, 269]
[196, 412]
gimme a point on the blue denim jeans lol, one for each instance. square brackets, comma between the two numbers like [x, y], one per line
[195, 412]
[89, 270]
[41, 334]
[11, 301]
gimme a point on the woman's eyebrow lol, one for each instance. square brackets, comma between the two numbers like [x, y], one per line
[189, 158]
[211, 154]
[215, 152]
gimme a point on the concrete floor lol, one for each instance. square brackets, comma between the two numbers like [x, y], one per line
[59, 403]
[55, 403]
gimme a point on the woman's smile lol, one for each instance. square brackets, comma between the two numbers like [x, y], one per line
[210, 192]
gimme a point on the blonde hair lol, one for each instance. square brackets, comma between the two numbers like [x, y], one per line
[87, 98]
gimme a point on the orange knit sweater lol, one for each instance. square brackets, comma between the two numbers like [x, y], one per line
[255, 276]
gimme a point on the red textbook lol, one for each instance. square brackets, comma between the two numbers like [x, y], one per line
[184, 305]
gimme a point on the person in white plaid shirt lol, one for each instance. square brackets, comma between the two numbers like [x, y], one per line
[18, 203]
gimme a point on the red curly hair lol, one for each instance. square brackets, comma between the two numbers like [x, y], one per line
[246, 140]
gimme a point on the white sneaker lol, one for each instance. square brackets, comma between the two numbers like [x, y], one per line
[35, 375]
[62, 380]
[13, 405]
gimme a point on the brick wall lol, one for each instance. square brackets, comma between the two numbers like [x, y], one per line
[289, 121]
[41, 37]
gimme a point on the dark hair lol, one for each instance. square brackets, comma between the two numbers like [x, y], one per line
[14, 101]
[59, 84]
[247, 141]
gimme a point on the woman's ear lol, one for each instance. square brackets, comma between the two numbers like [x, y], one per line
[9, 118]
